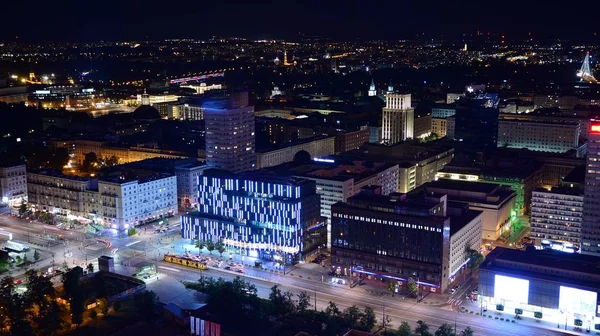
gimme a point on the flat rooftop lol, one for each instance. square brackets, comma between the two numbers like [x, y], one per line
[259, 176]
[546, 259]
[479, 187]
[293, 143]
[338, 170]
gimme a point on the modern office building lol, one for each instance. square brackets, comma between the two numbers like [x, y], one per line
[397, 119]
[557, 215]
[590, 229]
[317, 147]
[558, 287]
[497, 202]
[476, 121]
[265, 216]
[230, 127]
[397, 237]
[443, 110]
[538, 136]
[118, 202]
[13, 184]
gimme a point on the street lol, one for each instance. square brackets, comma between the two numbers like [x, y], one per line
[148, 248]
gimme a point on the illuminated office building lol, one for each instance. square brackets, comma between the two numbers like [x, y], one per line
[590, 229]
[257, 215]
[397, 119]
[230, 142]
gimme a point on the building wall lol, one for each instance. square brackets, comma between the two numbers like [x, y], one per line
[545, 137]
[451, 127]
[439, 126]
[496, 220]
[58, 194]
[187, 185]
[465, 239]
[13, 184]
[230, 141]
[412, 245]
[407, 178]
[317, 148]
[557, 216]
[351, 140]
[590, 229]
[397, 119]
[422, 126]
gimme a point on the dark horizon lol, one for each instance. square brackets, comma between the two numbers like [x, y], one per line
[39, 20]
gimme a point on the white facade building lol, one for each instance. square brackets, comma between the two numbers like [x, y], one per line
[320, 147]
[117, 203]
[465, 234]
[126, 203]
[187, 184]
[13, 184]
[230, 142]
[202, 87]
[538, 136]
[557, 214]
[397, 119]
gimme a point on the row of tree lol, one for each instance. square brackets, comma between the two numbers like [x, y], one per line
[211, 246]
[237, 300]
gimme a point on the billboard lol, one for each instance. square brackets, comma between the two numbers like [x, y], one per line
[577, 301]
[511, 289]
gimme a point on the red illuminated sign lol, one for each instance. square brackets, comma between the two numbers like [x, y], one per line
[595, 129]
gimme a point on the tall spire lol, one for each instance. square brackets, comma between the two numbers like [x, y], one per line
[390, 86]
[372, 90]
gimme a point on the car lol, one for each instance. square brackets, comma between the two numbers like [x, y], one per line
[18, 281]
[452, 291]
[228, 268]
[474, 292]
[330, 273]
[240, 270]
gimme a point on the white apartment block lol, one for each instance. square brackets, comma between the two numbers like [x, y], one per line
[13, 184]
[117, 203]
[467, 236]
[397, 119]
[538, 136]
[126, 203]
[316, 147]
[557, 214]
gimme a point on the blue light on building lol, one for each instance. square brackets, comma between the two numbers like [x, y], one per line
[256, 215]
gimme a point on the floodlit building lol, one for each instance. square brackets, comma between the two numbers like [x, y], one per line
[538, 136]
[554, 286]
[319, 146]
[13, 184]
[264, 216]
[397, 119]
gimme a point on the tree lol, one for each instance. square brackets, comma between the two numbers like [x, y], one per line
[90, 268]
[74, 293]
[475, 259]
[210, 246]
[422, 328]
[467, 332]
[303, 301]
[220, 248]
[103, 306]
[386, 322]
[412, 288]
[368, 319]
[132, 231]
[23, 208]
[404, 329]
[36, 255]
[200, 245]
[93, 314]
[351, 316]
[25, 259]
[89, 161]
[445, 330]
[18, 259]
[282, 304]
[332, 310]
[65, 266]
[145, 304]
[392, 286]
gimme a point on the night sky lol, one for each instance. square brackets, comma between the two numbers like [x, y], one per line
[127, 19]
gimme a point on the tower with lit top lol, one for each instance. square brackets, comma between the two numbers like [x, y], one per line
[372, 90]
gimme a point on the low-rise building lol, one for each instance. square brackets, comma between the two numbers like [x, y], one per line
[550, 285]
[319, 146]
[13, 184]
[497, 202]
[538, 136]
[439, 126]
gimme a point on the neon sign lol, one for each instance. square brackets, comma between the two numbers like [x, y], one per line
[595, 128]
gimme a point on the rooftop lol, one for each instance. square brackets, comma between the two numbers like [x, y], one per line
[338, 169]
[293, 143]
[479, 187]
[547, 259]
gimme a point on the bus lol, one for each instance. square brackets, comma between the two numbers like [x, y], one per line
[14, 246]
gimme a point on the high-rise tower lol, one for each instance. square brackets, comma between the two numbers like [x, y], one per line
[372, 90]
[590, 228]
[397, 122]
[230, 140]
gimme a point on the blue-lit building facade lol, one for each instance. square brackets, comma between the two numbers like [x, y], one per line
[264, 216]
